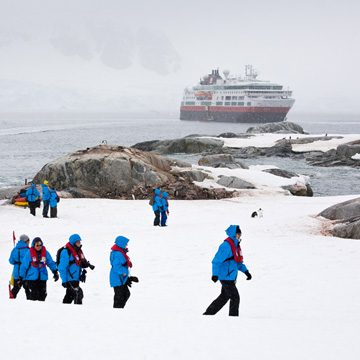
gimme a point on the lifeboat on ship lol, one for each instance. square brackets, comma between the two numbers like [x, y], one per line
[203, 95]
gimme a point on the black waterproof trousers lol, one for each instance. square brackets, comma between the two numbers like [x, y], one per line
[122, 294]
[157, 218]
[73, 293]
[32, 207]
[36, 290]
[228, 292]
[15, 290]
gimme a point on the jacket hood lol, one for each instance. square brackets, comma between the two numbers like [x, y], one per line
[121, 241]
[231, 232]
[165, 195]
[33, 186]
[36, 240]
[21, 244]
[157, 192]
[74, 238]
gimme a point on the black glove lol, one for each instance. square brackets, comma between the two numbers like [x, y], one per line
[214, 278]
[85, 264]
[128, 282]
[82, 277]
[134, 279]
[248, 275]
[65, 285]
[20, 282]
[56, 275]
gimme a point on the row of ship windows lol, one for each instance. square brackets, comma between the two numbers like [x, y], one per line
[220, 103]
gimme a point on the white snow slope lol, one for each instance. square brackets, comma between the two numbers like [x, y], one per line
[302, 302]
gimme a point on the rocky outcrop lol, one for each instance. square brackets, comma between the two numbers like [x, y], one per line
[221, 160]
[346, 217]
[187, 145]
[234, 182]
[119, 172]
[342, 156]
[276, 128]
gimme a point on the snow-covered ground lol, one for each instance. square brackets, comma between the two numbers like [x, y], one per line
[302, 302]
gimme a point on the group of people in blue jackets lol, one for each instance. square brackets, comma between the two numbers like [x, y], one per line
[30, 266]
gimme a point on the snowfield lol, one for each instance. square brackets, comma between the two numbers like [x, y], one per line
[302, 302]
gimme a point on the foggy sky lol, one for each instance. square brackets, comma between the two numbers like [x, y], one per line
[313, 47]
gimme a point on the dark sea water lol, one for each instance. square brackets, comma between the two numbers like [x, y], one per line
[28, 141]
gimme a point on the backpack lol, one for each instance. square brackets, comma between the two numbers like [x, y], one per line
[58, 254]
[152, 199]
[57, 197]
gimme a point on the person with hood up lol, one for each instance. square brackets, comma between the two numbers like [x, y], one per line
[164, 210]
[45, 198]
[16, 258]
[120, 271]
[225, 266]
[156, 207]
[72, 263]
[33, 270]
[53, 203]
[32, 194]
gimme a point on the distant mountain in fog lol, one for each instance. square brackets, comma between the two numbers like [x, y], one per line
[98, 67]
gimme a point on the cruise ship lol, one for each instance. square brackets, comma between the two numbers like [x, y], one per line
[236, 99]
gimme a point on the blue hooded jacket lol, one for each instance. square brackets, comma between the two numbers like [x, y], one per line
[28, 272]
[164, 203]
[32, 193]
[16, 257]
[53, 201]
[68, 269]
[157, 203]
[119, 272]
[45, 192]
[222, 265]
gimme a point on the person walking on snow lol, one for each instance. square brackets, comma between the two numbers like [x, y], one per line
[33, 270]
[225, 266]
[156, 207]
[32, 194]
[71, 266]
[164, 210]
[16, 257]
[119, 273]
[46, 198]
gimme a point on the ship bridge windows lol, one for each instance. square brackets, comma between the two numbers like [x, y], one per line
[206, 103]
[190, 103]
[241, 103]
[219, 103]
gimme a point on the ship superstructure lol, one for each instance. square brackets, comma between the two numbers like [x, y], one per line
[236, 99]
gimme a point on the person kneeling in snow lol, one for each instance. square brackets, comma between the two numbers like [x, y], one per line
[225, 266]
[119, 273]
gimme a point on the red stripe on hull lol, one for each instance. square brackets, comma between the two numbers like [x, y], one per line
[237, 109]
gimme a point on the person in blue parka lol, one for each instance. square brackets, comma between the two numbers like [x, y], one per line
[225, 266]
[53, 203]
[45, 198]
[164, 210]
[72, 265]
[16, 258]
[120, 271]
[33, 270]
[32, 194]
[156, 207]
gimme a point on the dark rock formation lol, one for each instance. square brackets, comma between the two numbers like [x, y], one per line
[342, 156]
[347, 218]
[118, 172]
[276, 128]
[187, 145]
[221, 160]
[235, 182]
